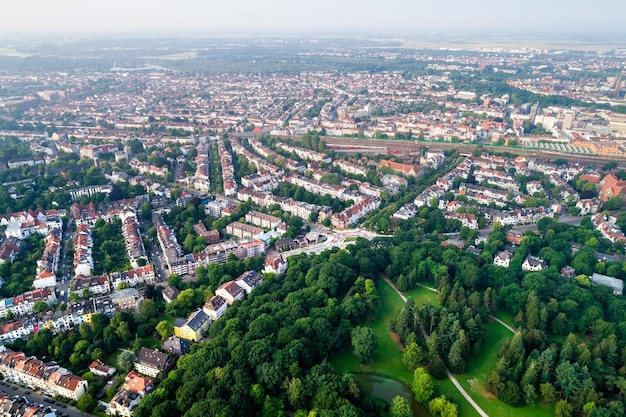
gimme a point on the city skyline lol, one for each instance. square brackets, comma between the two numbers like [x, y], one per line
[163, 17]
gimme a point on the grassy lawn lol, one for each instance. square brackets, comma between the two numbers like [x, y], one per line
[387, 358]
[421, 294]
[474, 381]
[150, 342]
[111, 360]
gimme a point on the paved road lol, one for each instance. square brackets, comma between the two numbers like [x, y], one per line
[36, 397]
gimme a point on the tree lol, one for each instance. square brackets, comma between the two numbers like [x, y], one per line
[563, 409]
[548, 392]
[39, 306]
[412, 355]
[165, 329]
[87, 403]
[422, 386]
[613, 203]
[400, 407]
[363, 343]
[441, 407]
[455, 357]
[126, 360]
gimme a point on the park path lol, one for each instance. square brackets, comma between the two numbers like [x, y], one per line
[452, 377]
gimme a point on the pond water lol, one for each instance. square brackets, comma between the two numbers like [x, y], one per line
[387, 389]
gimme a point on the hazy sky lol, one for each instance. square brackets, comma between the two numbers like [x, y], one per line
[22, 17]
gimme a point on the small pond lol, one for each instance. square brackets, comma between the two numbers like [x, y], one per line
[387, 389]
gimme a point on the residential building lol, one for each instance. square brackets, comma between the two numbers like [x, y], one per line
[503, 259]
[152, 362]
[170, 293]
[99, 369]
[194, 327]
[215, 307]
[617, 285]
[127, 299]
[176, 346]
[533, 263]
[230, 291]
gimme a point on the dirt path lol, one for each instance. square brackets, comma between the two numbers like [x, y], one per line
[452, 377]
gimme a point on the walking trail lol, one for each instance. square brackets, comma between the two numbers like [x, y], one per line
[452, 378]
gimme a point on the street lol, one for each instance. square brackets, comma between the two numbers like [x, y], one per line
[37, 397]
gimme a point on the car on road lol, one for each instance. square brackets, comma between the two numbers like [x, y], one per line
[14, 387]
[27, 392]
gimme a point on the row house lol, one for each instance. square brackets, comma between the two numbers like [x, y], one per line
[172, 250]
[350, 167]
[22, 304]
[146, 168]
[305, 153]
[271, 154]
[608, 228]
[132, 237]
[242, 230]
[588, 206]
[319, 188]
[256, 178]
[522, 216]
[92, 151]
[95, 285]
[466, 219]
[133, 277]
[426, 196]
[260, 163]
[218, 253]
[228, 171]
[567, 192]
[48, 377]
[354, 213]
[264, 220]
[567, 172]
[83, 261]
[18, 329]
